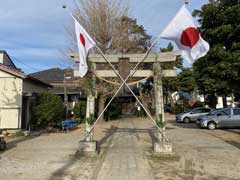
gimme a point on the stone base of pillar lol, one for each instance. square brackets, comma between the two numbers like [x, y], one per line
[162, 147]
[87, 146]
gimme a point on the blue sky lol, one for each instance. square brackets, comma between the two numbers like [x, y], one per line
[33, 31]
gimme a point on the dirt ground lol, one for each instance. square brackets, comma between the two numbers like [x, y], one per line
[199, 154]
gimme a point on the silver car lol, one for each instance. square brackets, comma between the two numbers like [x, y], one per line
[192, 115]
[226, 117]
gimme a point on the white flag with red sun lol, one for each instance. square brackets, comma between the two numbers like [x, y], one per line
[85, 43]
[183, 31]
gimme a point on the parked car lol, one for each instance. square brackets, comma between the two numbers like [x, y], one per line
[211, 113]
[192, 115]
[226, 117]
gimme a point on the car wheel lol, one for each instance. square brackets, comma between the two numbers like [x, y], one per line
[211, 125]
[186, 120]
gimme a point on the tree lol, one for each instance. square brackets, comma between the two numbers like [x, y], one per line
[132, 38]
[186, 81]
[100, 18]
[171, 65]
[107, 21]
[170, 84]
[48, 110]
[218, 72]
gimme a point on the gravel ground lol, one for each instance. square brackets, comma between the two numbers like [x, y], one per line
[51, 156]
[199, 154]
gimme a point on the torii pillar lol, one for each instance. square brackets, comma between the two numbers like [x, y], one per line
[153, 58]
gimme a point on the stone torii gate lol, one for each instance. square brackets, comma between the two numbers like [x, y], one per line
[123, 63]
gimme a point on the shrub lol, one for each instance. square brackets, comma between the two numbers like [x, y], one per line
[91, 119]
[178, 108]
[198, 104]
[140, 113]
[80, 111]
[19, 133]
[48, 110]
[160, 123]
[114, 110]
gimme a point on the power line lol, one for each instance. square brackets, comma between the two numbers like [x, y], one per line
[19, 61]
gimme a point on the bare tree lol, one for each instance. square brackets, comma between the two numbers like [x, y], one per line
[108, 23]
[100, 18]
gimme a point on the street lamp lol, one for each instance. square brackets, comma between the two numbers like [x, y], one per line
[186, 1]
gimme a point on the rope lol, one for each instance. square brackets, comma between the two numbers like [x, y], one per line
[118, 84]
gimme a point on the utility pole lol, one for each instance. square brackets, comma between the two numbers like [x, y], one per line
[65, 95]
[66, 76]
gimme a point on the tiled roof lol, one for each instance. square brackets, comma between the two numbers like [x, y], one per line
[50, 75]
[21, 74]
[12, 71]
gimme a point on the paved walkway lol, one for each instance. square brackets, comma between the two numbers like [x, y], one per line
[124, 159]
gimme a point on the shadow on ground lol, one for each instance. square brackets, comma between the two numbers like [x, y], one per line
[190, 125]
[81, 163]
[15, 142]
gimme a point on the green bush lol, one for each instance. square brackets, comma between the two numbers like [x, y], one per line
[114, 110]
[140, 113]
[48, 110]
[198, 104]
[178, 108]
[80, 111]
[91, 119]
[19, 133]
[160, 123]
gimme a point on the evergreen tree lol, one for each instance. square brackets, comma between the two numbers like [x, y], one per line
[219, 71]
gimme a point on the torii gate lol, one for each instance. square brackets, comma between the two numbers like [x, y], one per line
[124, 62]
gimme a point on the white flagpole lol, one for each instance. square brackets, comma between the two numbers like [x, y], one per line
[124, 83]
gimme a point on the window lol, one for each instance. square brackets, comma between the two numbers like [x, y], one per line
[196, 111]
[236, 111]
[224, 112]
[205, 110]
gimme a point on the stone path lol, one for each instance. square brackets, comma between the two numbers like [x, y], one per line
[124, 159]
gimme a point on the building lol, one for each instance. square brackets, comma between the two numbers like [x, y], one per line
[17, 91]
[63, 84]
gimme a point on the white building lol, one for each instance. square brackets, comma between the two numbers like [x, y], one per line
[17, 91]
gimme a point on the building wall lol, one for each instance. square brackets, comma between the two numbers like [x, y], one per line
[1, 58]
[230, 101]
[10, 101]
[4, 59]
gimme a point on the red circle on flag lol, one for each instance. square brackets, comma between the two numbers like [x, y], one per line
[82, 39]
[190, 37]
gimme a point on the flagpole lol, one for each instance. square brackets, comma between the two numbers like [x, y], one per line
[124, 83]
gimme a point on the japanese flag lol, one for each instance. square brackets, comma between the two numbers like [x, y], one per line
[85, 43]
[183, 31]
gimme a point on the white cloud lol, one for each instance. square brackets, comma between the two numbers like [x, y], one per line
[34, 29]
